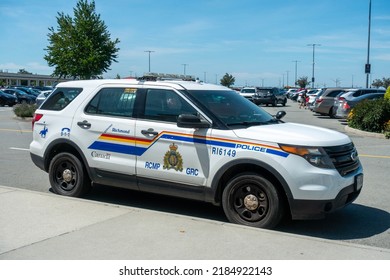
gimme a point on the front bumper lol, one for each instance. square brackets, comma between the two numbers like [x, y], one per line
[317, 209]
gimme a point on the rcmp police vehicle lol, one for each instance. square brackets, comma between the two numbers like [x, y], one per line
[192, 140]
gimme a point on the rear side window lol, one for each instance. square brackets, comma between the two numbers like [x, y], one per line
[113, 102]
[335, 93]
[60, 98]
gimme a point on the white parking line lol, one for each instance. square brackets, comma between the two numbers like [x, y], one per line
[19, 149]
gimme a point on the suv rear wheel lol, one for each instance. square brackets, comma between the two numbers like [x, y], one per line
[250, 199]
[67, 175]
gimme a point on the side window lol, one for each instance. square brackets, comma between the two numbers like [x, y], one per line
[60, 98]
[113, 102]
[357, 93]
[335, 93]
[165, 105]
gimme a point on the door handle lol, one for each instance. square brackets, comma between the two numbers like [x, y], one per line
[149, 132]
[84, 124]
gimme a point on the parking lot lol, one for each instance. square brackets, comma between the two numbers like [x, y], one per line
[364, 222]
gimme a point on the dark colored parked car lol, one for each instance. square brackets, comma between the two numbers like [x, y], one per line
[7, 99]
[21, 96]
[27, 90]
[269, 95]
[42, 88]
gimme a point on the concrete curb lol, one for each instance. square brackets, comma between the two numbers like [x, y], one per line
[364, 133]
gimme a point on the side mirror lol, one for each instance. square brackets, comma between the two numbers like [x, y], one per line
[279, 115]
[191, 121]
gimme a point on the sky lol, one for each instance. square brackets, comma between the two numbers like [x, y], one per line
[259, 42]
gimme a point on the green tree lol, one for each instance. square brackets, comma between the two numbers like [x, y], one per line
[23, 71]
[80, 47]
[302, 82]
[385, 82]
[227, 80]
[377, 83]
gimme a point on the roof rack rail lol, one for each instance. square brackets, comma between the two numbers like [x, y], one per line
[165, 77]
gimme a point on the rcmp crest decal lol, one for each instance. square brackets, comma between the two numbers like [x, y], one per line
[173, 159]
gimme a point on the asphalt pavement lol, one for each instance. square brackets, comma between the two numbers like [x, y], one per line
[45, 226]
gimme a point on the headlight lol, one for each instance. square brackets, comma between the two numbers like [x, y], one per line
[314, 155]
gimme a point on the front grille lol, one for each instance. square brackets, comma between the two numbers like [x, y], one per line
[345, 158]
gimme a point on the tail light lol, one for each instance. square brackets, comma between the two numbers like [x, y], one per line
[319, 100]
[346, 106]
[36, 118]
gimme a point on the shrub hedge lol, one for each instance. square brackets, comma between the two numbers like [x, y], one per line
[24, 110]
[372, 116]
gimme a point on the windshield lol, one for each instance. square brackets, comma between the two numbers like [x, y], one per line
[231, 108]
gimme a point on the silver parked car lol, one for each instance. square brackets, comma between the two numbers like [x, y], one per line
[353, 93]
[346, 105]
[325, 101]
[42, 96]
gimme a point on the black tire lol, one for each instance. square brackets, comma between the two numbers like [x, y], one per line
[331, 113]
[274, 103]
[252, 200]
[284, 102]
[67, 176]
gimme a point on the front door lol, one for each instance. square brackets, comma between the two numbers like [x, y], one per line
[166, 151]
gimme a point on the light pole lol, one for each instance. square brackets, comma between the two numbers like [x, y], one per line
[368, 66]
[296, 67]
[184, 68]
[149, 58]
[287, 77]
[312, 77]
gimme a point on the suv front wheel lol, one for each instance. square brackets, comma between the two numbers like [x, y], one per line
[250, 199]
[67, 176]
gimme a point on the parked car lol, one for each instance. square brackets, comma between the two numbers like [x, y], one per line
[215, 147]
[353, 93]
[41, 97]
[299, 94]
[313, 97]
[21, 96]
[28, 90]
[290, 92]
[248, 92]
[325, 102]
[42, 88]
[345, 106]
[7, 99]
[269, 95]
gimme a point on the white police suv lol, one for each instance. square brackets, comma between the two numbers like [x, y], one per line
[195, 141]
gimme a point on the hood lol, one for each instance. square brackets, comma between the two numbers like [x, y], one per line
[294, 134]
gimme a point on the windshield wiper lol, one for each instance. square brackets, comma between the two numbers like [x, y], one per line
[248, 124]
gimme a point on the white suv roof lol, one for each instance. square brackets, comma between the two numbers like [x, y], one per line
[177, 84]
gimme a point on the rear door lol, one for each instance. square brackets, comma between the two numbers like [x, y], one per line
[105, 130]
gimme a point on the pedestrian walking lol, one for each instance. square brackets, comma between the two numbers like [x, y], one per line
[303, 99]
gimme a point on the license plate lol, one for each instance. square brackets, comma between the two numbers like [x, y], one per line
[358, 182]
